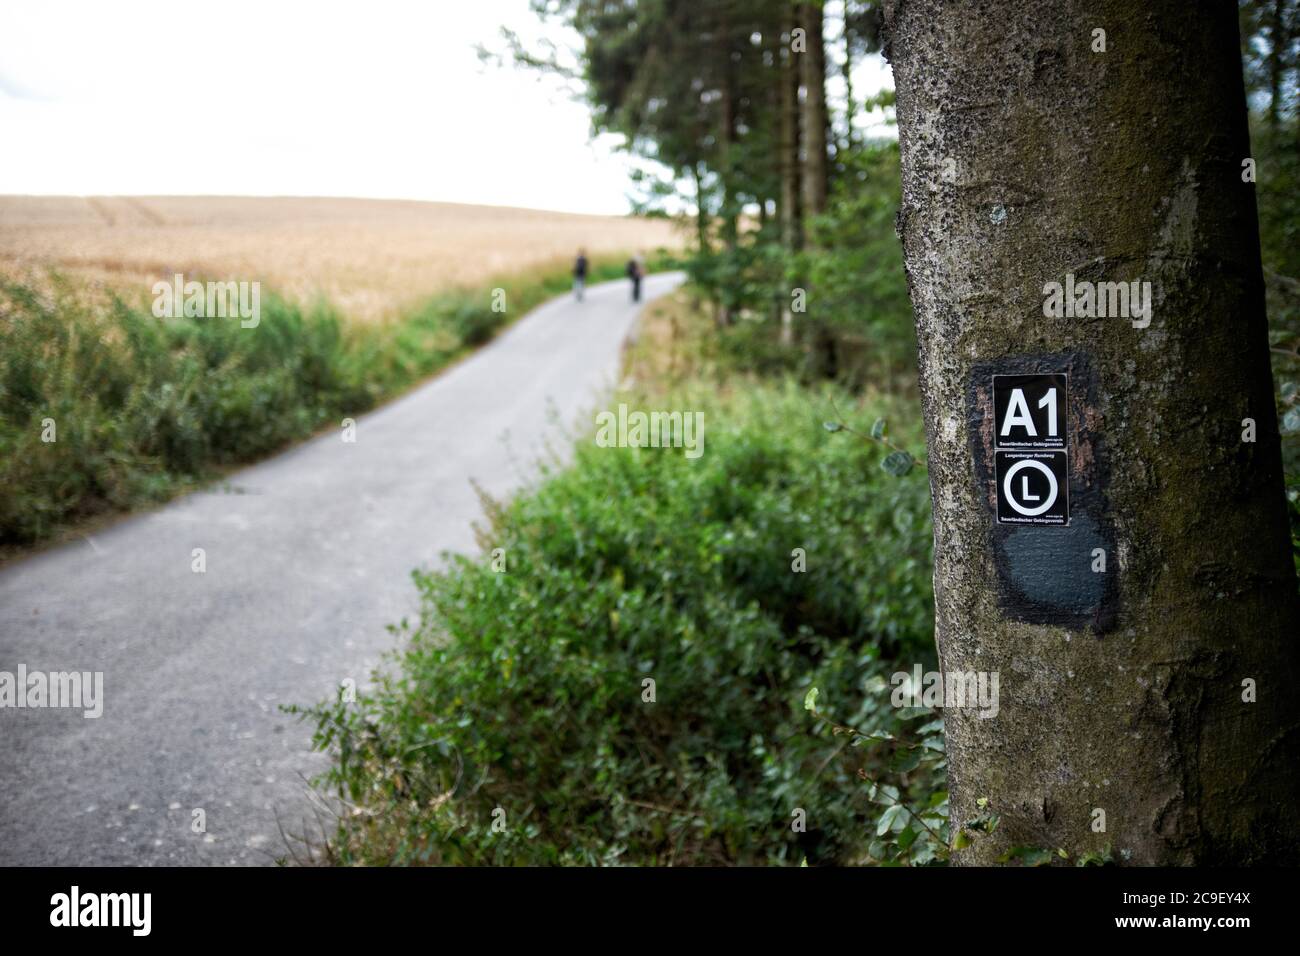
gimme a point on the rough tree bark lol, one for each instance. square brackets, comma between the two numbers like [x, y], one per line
[1028, 154]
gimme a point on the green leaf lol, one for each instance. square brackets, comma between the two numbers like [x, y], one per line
[810, 699]
[894, 818]
[984, 823]
[1027, 855]
[878, 429]
[832, 426]
[905, 759]
[881, 792]
[961, 840]
[875, 684]
[898, 463]
[1291, 421]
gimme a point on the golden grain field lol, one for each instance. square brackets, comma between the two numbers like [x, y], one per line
[370, 257]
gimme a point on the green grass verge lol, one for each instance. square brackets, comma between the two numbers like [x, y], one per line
[140, 408]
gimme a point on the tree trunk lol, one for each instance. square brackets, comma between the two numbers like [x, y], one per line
[1276, 47]
[1026, 156]
[813, 66]
[701, 211]
[822, 349]
[791, 211]
[846, 71]
[727, 165]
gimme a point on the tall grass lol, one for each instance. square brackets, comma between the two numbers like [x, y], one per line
[139, 407]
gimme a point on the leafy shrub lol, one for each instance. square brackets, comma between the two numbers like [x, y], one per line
[519, 697]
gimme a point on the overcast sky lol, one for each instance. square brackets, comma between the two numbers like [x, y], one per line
[381, 98]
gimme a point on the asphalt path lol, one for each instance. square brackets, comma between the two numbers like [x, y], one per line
[308, 557]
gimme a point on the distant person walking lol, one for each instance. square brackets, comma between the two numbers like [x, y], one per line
[636, 272]
[580, 274]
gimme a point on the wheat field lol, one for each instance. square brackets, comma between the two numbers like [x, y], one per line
[371, 258]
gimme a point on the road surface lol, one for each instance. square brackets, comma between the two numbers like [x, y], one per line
[308, 557]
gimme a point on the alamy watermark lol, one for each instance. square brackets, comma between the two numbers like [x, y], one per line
[651, 430]
[211, 300]
[35, 689]
[961, 690]
[130, 910]
[1098, 300]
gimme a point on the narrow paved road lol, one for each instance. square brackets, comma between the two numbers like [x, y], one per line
[308, 558]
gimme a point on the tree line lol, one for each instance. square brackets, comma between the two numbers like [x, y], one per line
[747, 115]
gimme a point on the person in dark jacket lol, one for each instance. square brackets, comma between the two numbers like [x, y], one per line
[580, 274]
[635, 272]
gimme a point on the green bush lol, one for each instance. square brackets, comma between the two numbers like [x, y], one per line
[519, 697]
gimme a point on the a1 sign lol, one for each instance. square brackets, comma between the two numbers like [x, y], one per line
[1031, 463]
[1030, 411]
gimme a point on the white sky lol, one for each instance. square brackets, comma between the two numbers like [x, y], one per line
[374, 98]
